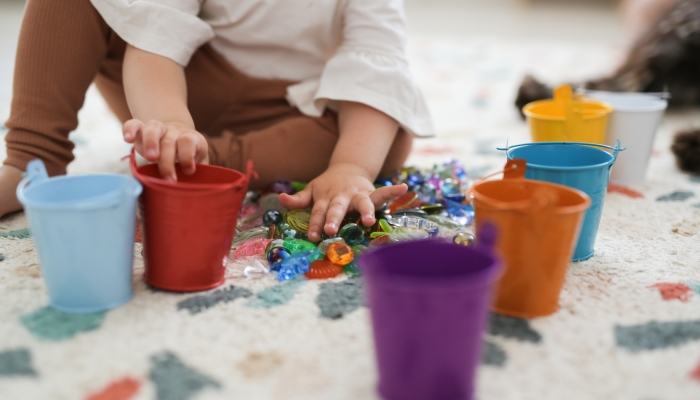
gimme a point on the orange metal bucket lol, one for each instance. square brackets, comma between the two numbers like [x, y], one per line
[539, 223]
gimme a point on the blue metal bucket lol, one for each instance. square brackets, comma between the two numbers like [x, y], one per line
[83, 228]
[582, 166]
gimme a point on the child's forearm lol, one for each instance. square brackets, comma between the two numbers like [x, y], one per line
[162, 129]
[366, 135]
[155, 88]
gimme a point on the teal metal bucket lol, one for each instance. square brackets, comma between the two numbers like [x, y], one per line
[83, 228]
[582, 166]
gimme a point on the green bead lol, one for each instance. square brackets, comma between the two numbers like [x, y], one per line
[298, 186]
[384, 225]
[351, 269]
[298, 246]
[283, 226]
[289, 234]
[433, 209]
[359, 249]
[352, 234]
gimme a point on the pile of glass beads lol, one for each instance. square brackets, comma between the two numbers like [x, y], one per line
[434, 206]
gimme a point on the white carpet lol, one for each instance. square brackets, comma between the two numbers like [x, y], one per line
[284, 343]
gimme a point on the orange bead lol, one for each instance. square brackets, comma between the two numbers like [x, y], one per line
[407, 200]
[323, 269]
[340, 253]
[380, 241]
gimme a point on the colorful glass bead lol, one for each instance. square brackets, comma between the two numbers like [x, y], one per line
[253, 247]
[445, 222]
[278, 254]
[323, 269]
[299, 220]
[255, 270]
[380, 241]
[323, 247]
[407, 200]
[298, 246]
[340, 253]
[298, 186]
[460, 213]
[272, 244]
[314, 255]
[427, 193]
[273, 232]
[464, 239]
[272, 217]
[352, 234]
[293, 266]
[351, 269]
[283, 226]
[282, 187]
[385, 226]
[411, 212]
[402, 234]
[359, 249]
[432, 209]
[289, 234]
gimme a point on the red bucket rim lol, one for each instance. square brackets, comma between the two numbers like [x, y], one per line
[152, 182]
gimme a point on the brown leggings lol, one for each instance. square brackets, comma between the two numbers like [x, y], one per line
[66, 45]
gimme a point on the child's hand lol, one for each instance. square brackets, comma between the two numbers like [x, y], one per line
[167, 143]
[341, 188]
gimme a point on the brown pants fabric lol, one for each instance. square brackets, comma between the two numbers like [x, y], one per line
[66, 45]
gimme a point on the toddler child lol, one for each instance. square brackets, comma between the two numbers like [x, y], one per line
[311, 90]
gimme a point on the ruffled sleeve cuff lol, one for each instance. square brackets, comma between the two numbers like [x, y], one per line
[380, 80]
[173, 31]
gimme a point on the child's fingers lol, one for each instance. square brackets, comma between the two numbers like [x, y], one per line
[336, 211]
[299, 200]
[151, 135]
[318, 215]
[166, 161]
[187, 152]
[362, 203]
[386, 193]
[131, 129]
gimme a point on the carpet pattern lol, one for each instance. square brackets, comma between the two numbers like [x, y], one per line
[628, 325]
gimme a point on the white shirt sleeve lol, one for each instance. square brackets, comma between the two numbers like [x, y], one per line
[370, 67]
[169, 28]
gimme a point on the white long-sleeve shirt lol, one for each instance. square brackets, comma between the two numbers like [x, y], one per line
[337, 50]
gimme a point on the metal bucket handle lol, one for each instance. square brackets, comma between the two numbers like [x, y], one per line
[615, 150]
[36, 173]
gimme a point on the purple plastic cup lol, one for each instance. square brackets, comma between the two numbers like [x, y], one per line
[429, 303]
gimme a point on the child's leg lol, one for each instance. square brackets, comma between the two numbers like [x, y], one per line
[61, 46]
[298, 148]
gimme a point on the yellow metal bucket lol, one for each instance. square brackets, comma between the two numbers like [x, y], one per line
[567, 117]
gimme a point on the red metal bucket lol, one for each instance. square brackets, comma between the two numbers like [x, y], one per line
[188, 225]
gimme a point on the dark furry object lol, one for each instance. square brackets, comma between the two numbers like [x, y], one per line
[667, 57]
[686, 148]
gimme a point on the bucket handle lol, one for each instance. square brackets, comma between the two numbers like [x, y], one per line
[615, 150]
[36, 173]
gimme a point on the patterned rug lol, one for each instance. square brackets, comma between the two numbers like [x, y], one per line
[628, 326]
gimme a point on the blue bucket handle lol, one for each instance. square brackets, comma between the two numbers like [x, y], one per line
[36, 173]
[615, 150]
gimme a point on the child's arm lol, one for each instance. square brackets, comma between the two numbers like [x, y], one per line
[162, 129]
[366, 135]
